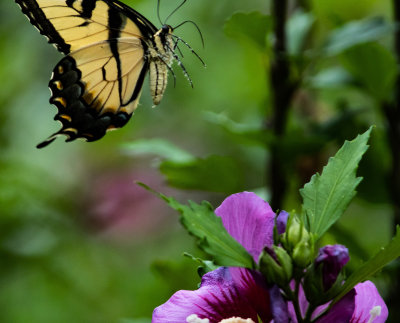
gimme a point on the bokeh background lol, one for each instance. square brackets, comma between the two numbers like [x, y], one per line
[81, 242]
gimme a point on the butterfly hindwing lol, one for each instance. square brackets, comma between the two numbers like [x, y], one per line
[90, 94]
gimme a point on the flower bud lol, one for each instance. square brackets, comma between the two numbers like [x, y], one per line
[332, 258]
[302, 254]
[295, 233]
[281, 221]
[276, 265]
[323, 280]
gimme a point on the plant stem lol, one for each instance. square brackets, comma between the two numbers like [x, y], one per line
[282, 91]
[307, 317]
[392, 114]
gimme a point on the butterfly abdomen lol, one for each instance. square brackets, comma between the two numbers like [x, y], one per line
[160, 55]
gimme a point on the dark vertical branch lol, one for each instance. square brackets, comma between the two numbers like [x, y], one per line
[282, 91]
[304, 4]
[392, 114]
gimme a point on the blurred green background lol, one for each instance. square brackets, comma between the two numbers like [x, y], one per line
[81, 242]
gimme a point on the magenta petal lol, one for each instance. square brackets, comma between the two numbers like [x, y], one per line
[368, 304]
[253, 287]
[222, 294]
[281, 221]
[279, 306]
[249, 219]
[332, 258]
[340, 312]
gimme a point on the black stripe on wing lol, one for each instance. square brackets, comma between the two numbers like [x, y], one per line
[145, 26]
[87, 7]
[37, 18]
[115, 23]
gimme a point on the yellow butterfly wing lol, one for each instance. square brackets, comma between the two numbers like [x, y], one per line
[72, 24]
[91, 95]
[96, 87]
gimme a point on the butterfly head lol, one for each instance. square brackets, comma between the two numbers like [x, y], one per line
[166, 29]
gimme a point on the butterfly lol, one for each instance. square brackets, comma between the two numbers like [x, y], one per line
[109, 49]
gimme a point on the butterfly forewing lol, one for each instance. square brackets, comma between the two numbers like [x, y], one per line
[72, 24]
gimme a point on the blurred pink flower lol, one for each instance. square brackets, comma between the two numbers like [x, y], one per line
[118, 207]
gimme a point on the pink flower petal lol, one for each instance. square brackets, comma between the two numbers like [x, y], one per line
[369, 304]
[249, 219]
[224, 293]
[340, 313]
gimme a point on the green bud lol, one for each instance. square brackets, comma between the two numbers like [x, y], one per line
[285, 261]
[295, 234]
[302, 254]
[276, 265]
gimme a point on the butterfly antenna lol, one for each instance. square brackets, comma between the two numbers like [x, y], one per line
[190, 48]
[197, 27]
[175, 10]
[158, 11]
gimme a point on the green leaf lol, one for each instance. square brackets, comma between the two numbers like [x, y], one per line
[202, 223]
[179, 275]
[205, 265]
[330, 78]
[326, 196]
[142, 320]
[242, 132]
[373, 66]
[372, 266]
[159, 147]
[357, 32]
[214, 173]
[253, 26]
[298, 28]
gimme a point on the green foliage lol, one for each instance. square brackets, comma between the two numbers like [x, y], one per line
[373, 67]
[175, 274]
[214, 173]
[326, 196]
[372, 266]
[253, 26]
[159, 147]
[355, 33]
[247, 134]
[298, 29]
[330, 78]
[201, 222]
[205, 265]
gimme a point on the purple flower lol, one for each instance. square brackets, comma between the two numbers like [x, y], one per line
[362, 304]
[224, 293]
[249, 219]
[332, 258]
[231, 292]
[238, 295]
[369, 306]
[281, 221]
